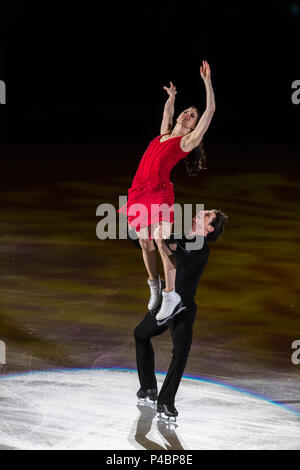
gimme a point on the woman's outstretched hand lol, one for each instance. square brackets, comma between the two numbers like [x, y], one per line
[205, 70]
[171, 90]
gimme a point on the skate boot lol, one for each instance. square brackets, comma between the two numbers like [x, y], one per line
[151, 393]
[155, 291]
[170, 305]
[168, 410]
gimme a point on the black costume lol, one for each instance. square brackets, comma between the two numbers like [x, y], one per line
[189, 267]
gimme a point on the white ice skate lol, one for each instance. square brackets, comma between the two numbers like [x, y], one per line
[171, 303]
[155, 290]
[177, 310]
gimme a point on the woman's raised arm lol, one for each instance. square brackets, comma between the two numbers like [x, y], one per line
[193, 139]
[167, 120]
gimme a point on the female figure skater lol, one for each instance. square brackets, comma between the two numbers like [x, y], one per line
[152, 195]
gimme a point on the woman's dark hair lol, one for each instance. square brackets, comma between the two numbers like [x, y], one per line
[196, 159]
[219, 225]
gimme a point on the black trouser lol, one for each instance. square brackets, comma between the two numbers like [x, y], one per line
[181, 328]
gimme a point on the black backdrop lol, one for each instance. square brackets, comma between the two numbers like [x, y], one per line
[94, 71]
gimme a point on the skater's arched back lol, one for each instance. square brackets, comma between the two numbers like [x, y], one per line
[151, 196]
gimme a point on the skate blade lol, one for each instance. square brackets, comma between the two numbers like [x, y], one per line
[180, 307]
[146, 402]
[169, 420]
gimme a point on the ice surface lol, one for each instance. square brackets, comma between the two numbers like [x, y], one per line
[98, 409]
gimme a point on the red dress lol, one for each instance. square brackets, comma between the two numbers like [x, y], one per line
[151, 184]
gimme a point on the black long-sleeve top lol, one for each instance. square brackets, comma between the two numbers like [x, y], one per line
[190, 265]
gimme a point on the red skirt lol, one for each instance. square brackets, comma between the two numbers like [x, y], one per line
[146, 206]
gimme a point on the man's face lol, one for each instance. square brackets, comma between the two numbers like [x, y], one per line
[202, 222]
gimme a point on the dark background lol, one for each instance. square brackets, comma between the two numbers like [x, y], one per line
[93, 73]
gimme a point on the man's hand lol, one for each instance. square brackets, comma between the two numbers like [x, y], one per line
[173, 246]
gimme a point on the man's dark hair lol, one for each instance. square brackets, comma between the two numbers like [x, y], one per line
[219, 225]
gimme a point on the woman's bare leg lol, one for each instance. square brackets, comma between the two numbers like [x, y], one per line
[149, 254]
[150, 260]
[163, 230]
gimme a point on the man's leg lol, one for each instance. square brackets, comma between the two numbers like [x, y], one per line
[144, 350]
[181, 328]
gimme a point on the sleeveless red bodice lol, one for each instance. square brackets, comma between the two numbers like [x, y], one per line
[151, 183]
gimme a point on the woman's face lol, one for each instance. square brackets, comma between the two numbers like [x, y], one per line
[188, 118]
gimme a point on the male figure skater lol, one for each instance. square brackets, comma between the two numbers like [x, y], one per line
[190, 264]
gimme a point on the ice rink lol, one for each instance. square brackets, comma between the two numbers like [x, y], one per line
[98, 409]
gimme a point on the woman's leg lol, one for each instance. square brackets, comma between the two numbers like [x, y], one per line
[160, 231]
[151, 263]
[149, 253]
